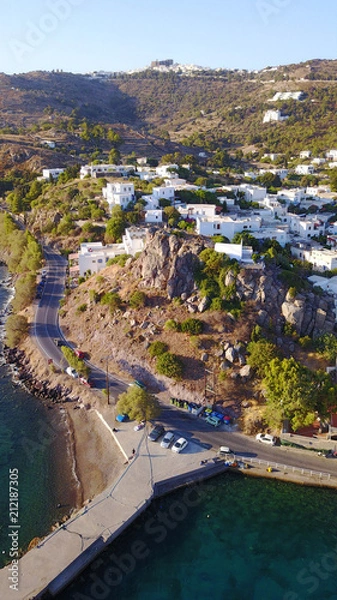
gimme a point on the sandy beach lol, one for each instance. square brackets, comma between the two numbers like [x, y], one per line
[97, 460]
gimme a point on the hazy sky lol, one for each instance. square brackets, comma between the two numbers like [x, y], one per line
[82, 35]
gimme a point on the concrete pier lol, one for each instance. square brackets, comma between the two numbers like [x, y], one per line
[151, 472]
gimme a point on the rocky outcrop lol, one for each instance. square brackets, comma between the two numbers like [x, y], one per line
[168, 263]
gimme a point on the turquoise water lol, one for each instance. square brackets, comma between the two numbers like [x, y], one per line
[232, 538]
[32, 445]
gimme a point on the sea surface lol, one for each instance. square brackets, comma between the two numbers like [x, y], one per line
[32, 454]
[235, 537]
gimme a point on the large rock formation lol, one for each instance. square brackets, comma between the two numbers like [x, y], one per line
[168, 263]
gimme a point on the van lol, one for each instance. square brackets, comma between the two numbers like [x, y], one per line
[225, 450]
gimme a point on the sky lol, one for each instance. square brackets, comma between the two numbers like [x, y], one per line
[81, 36]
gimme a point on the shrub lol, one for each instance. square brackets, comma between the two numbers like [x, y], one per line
[305, 342]
[81, 308]
[157, 348]
[112, 299]
[216, 304]
[137, 299]
[292, 292]
[100, 279]
[192, 326]
[170, 365]
[172, 325]
[118, 260]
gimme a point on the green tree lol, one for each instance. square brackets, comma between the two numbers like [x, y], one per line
[115, 226]
[137, 299]
[326, 345]
[260, 353]
[170, 365]
[16, 329]
[192, 326]
[291, 393]
[138, 404]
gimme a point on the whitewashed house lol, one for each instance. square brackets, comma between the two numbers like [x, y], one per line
[332, 155]
[93, 257]
[253, 193]
[304, 170]
[293, 195]
[305, 154]
[118, 194]
[166, 192]
[323, 259]
[154, 216]
[105, 170]
[305, 228]
[165, 171]
[281, 172]
[274, 116]
[134, 239]
[226, 225]
[193, 211]
[54, 173]
[318, 161]
[280, 234]
[238, 251]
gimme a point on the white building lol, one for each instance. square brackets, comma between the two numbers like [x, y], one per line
[294, 195]
[165, 171]
[305, 154]
[119, 194]
[105, 170]
[166, 192]
[304, 170]
[134, 239]
[282, 173]
[281, 235]
[154, 216]
[226, 225]
[318, 161]
[287, 96]
[54, 173]
[323, 259]
[332, 155]
[49, 143]
[238, 251]
[305, 228]
[273, 115]
[93, 257]
[253, 193]
[193, 211]
[271, 155]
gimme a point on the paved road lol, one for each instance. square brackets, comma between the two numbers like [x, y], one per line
[46, 327]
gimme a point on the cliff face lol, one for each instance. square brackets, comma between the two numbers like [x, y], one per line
[168, 263]
[309, 313]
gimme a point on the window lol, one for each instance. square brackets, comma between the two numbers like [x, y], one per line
[99, 260]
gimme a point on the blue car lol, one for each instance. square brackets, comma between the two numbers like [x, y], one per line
[122, 418]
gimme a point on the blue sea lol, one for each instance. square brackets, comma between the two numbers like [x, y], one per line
[235, 537]
[33, 453]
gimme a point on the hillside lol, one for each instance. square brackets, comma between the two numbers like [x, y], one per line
[156, 113]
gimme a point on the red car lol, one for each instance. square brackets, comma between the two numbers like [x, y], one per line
[86, 382]
[79, 354]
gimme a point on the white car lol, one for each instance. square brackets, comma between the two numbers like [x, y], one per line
[72, 372]
[179, 445]
[167, 439]
[266, 438]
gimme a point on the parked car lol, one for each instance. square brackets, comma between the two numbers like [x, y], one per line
[86, 382]
[156, 432]
[179, 445]
[72, 372]
[331, 454]
[225, 450]
[122, 418]
[266, 438]
[139, 426]
[213, 421]
[59, 343]
[139, 384]
[79, 353]
[167, 439]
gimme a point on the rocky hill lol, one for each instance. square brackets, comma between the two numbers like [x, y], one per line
[158, 113]
[165, 271]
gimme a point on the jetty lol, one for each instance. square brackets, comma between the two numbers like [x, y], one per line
[150, 471]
